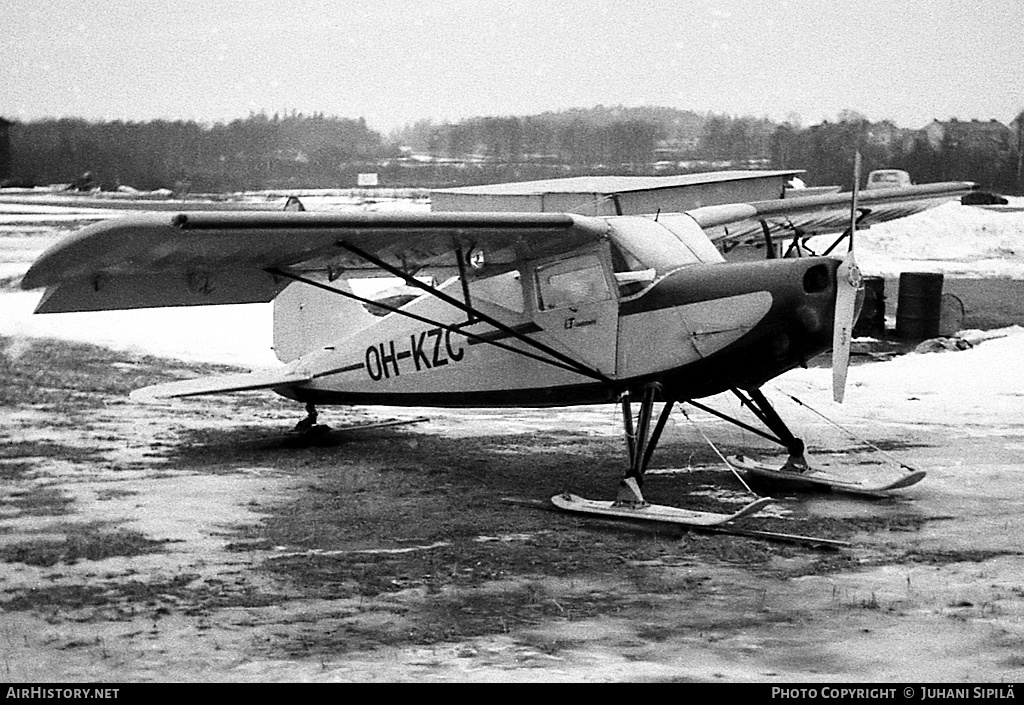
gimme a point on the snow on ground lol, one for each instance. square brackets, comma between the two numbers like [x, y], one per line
[965, 241]
[233, 335]
[969, 391]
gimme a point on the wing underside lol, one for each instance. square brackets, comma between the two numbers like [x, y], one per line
[203, 258]
[227, 258]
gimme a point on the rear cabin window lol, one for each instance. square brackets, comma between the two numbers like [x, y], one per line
[505, 290]
[572, 282]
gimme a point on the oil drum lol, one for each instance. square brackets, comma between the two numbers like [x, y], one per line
[871, 322]
[919, 306]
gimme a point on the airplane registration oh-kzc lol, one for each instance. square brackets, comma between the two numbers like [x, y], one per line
[503, 309]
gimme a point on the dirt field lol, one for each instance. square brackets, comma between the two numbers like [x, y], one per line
[200, 543]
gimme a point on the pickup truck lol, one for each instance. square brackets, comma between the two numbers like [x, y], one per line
[888, 178]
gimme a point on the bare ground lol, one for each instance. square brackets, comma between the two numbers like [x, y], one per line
[200, 542]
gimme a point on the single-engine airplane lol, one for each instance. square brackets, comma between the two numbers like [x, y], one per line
[501, 309]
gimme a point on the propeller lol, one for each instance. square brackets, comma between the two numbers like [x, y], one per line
[848, 283]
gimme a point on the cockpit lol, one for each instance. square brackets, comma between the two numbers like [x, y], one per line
[644, 248]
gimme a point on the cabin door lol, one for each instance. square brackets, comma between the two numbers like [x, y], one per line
[576, 305]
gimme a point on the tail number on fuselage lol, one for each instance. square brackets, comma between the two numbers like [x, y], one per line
[384, 360]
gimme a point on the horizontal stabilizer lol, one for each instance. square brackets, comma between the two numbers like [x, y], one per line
[243, 382]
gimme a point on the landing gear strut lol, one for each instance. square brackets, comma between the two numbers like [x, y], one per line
[641, 442]
[763, 410]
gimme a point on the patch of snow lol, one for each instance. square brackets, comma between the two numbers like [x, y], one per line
[953, 239]
[233, 335]
[975, 388]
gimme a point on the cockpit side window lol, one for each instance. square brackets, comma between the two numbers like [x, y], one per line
[572, 282]
[625, 261]
[631, 274]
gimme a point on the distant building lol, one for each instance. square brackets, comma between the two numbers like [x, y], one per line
[6, 153]
[675, 150]
[886, 135]
[973, 135]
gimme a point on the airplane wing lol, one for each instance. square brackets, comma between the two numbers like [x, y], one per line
[822, 214]
[204, 258]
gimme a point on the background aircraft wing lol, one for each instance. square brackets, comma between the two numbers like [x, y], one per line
[202, 258]
[822, 214]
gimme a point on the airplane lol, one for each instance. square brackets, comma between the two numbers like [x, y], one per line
[504, 309]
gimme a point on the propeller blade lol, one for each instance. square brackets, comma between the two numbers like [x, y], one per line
[848, 283]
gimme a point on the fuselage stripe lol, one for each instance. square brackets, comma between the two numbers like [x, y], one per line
[338, 370]
[491, 336]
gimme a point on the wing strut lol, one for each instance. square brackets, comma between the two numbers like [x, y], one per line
[769, 243]
[456, 327]
[755, 401]
[476, 315]
[861, 214]
[737, 422]
[471, 316]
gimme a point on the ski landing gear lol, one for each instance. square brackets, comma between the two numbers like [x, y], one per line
[796, 473]
[641, 441]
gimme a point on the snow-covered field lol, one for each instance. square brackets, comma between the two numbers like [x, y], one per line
[959, 241]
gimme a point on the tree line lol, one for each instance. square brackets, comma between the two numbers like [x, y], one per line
[314, 151]
[256, 152]
[597, 136]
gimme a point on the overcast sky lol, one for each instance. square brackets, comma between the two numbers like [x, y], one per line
[398, 61]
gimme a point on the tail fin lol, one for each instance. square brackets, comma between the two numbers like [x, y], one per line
[307, 318]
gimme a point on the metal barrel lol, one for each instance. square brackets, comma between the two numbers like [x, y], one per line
[919, 306]
[871, 322]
